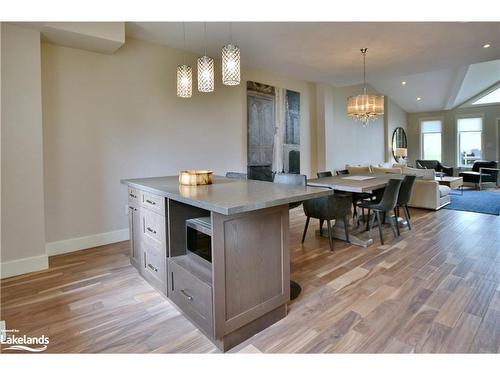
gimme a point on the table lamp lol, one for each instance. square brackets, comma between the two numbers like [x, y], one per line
[400, 154]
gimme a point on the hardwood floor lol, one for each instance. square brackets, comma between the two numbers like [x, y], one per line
[435, 289]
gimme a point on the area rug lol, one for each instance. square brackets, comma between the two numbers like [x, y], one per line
[484, 202]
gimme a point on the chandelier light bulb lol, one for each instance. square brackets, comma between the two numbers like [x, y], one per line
[205, 74]
[184, 81]
[231, 62]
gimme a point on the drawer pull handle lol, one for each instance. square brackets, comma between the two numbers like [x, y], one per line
[132, 195]
[152, 267]
[150, 202]
[151, 230]
[186, 295]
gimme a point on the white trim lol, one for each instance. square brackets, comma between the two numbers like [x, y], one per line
[24, 265]
[80, 243]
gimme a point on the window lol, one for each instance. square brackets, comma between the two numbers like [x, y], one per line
[492, 97]
[431, 139]
[470, 132]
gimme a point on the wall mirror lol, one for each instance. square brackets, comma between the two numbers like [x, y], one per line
[399, 143]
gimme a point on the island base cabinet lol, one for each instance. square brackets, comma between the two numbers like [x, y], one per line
[239, 288]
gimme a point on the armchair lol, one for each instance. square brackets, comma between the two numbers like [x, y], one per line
[436, 165]
[482, 172]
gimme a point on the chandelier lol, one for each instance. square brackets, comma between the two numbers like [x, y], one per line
[365, 107]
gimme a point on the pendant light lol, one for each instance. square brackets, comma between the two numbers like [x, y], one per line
[184, 74]
[365, 107]
[231, 62]
[205, 70]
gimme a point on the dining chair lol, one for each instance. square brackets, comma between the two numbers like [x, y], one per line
[324, 174]
[404, 197]
[341, 172]
[384, 206]
[332, 207]
[238, 175]
[291, 179]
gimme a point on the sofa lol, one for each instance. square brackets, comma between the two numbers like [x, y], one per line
[427, 193]
[436, 165]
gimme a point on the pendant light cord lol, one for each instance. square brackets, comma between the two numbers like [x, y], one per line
[363, 51]
[184, 42]
[205, 38]
[231, 32]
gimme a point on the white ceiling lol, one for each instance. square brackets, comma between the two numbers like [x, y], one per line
[478, 78]
[433, 58]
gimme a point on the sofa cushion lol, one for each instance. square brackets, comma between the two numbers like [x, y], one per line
[426, 174]
[444, 191]
[356, 169]
[382, 170]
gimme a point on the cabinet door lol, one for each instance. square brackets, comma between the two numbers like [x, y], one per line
[134, 221]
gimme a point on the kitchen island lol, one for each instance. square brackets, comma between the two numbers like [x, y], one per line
[219, 252]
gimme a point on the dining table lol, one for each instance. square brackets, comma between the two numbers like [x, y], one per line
[355, 183]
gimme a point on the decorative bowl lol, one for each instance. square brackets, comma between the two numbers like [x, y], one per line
[192, 177]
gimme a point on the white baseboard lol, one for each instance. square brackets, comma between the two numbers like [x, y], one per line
[80, 243]
[24, 265]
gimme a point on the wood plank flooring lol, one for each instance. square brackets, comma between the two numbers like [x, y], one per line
[435, 289]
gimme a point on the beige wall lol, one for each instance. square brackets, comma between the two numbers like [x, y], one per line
[490, 115]
[108, 117]
[394, 117]
[346, 140]
[22, 200]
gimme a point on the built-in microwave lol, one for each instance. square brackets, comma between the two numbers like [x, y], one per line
[199, 237]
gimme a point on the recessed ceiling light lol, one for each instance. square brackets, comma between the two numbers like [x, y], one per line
[487, 45]
[419, 98]
[403, 83]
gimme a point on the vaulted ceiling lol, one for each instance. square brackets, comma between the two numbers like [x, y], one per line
[440, 62]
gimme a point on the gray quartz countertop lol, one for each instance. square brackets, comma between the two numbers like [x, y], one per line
[227, 196]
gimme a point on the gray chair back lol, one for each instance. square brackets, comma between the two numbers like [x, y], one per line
[290, 179]
[406, 189]
[390, 197]
[341, 172]
[324, 174]
[335, 206]
[238, 175]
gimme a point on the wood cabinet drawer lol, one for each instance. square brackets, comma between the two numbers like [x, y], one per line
[154, 266]
[153, 227]
[133, 195]
[191, 295]
[153, 202]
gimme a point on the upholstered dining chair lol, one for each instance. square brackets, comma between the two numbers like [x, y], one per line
[404, 198]
[238, 175]
[332, 207]
[291, 179]
[383, 207]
